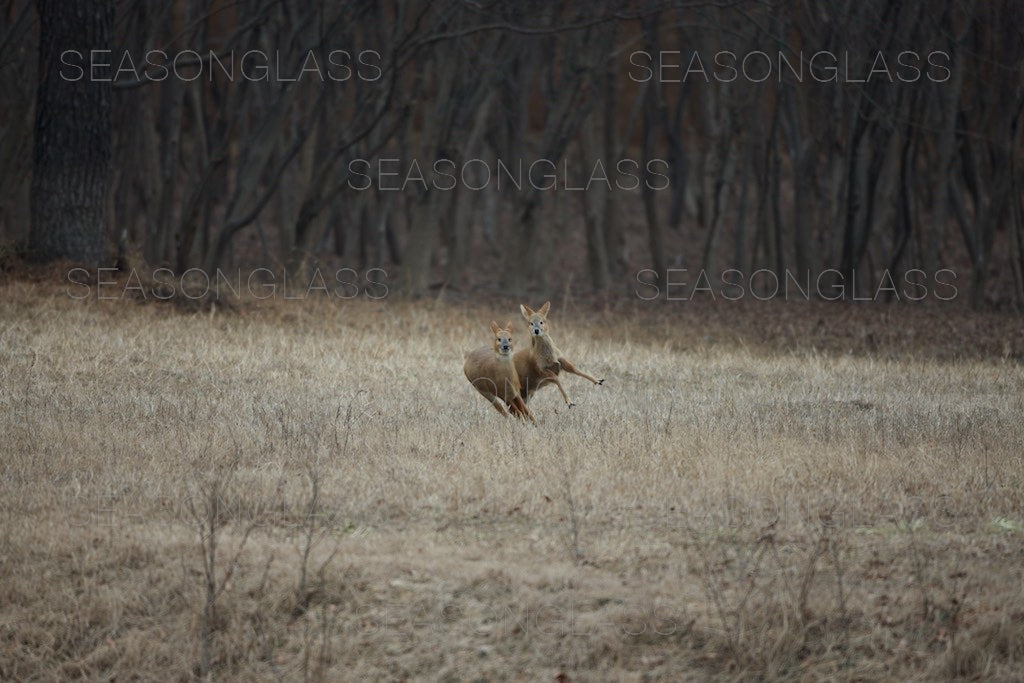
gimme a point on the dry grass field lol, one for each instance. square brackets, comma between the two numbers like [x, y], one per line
[312, 490]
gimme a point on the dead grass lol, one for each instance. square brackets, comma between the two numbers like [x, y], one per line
[758, 492]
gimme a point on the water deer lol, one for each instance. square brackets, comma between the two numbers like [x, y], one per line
[540, 364]
[492, 372]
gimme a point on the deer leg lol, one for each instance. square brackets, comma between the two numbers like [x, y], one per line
[498, 404]
[553, 378]
[513, 409]
[512, 398]
[524, 411]
[569, 367]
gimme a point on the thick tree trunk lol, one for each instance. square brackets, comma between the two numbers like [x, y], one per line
[72, 135]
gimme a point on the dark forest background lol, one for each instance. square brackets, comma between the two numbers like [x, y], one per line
[907, 172]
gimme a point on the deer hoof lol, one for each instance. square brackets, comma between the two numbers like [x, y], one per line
[600, 382]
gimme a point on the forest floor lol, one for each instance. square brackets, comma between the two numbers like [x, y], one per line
[311, 489]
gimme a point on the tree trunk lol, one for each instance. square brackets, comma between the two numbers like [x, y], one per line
[594, 218]
[655, 239]
[72, 135]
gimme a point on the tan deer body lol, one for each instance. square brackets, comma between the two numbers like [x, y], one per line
[492, 372]
[540, 364]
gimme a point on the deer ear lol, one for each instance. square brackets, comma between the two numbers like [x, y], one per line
[508, 326]
[545, 308]
[526, 311]
[494, 327]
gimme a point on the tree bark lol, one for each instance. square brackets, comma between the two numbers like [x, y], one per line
[655, 239]
[594, 217]
[72, 150]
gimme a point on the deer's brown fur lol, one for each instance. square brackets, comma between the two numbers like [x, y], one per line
[541, 363]
[492, 372]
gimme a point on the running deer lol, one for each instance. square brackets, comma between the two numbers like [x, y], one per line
[492, 372]
[540, 364]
